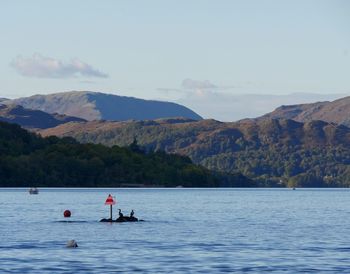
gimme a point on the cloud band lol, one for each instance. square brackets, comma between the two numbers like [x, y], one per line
[46, 67]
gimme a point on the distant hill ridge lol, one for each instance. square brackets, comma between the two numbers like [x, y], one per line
[100, 106]
[337, 111]
[299, 145]
[29, 118]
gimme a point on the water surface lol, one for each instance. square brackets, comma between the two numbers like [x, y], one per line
[186, 230]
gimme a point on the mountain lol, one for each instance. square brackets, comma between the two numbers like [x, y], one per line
[96, 106]
[29, 160]
[234, 107]
[273, 152]
[33, 118]
[337, 111]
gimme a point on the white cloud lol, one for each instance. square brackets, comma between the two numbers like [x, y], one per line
[46, 67]
[195, 84]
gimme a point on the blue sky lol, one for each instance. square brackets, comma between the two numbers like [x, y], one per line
[152, 49]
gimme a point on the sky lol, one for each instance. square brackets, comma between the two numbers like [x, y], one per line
[203, 54]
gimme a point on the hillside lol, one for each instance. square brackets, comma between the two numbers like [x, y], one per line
[33, 118]
[337, 111]
[274, 152]
[29, 160]
[100, 106]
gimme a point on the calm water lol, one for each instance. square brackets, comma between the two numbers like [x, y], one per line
[186, 230]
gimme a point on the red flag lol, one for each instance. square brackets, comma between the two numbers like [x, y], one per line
[110, 200]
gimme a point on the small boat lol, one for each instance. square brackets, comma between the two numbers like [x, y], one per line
[33, 190]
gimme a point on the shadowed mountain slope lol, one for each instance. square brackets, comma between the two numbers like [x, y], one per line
[29, 118]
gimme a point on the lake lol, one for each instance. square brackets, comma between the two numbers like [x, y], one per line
[185, 231]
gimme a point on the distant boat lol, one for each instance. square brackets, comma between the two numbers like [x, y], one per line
[33, 190]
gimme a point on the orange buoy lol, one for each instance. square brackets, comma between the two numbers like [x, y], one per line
[67, 213]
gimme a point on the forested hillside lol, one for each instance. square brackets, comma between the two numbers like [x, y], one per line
[29, 160]
[273, 152]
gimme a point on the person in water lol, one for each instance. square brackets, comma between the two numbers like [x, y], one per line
[120, 214]
[132, 213]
